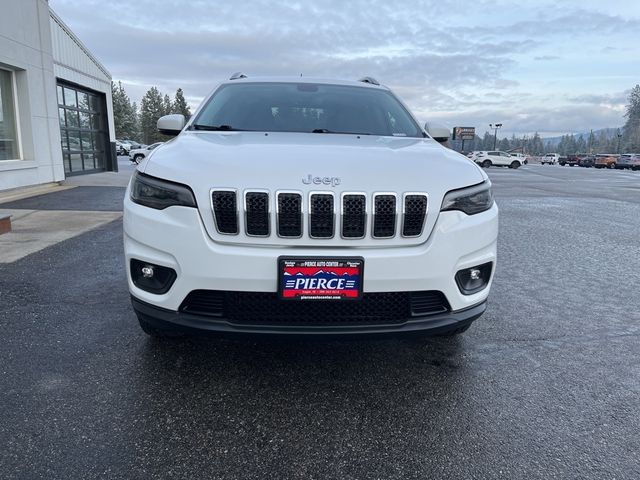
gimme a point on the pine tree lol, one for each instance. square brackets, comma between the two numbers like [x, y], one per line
[152, 107]
[537, 147]
[487, 141]
[136, 133]
[167, 106]
[631, 130]
[571, 145]
[125, 117]
[591, 143]
[180, 104]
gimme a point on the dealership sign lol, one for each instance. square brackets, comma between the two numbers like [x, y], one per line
[464, 133]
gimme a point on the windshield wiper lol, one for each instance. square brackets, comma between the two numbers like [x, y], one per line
[324, 130]
[215, 128]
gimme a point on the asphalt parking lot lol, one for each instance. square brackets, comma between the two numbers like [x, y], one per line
[545, 385]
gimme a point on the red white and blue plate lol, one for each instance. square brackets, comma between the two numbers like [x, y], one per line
[320, 278]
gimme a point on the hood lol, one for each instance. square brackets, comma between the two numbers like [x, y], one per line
[311, 162]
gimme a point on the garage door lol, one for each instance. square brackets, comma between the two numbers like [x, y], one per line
[83, 128]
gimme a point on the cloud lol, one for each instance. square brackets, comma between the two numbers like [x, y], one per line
[618, 99]
[544, 120]
[446, 65]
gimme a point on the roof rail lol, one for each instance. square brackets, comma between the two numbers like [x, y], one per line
[370, 80]
[237, 75]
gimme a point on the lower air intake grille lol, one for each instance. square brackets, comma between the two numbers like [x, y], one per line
[263, 308]
[289, 215]
[428, 302]
[225, 210]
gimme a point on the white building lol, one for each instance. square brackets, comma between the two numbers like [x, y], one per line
[56, 116]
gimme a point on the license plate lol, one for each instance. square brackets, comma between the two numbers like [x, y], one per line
[320, 279]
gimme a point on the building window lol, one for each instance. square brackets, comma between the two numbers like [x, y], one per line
[8, 136]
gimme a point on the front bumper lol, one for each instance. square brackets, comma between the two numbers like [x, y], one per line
[176, 238]
[182, 321]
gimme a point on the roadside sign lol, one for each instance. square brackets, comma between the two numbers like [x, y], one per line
[464, 133]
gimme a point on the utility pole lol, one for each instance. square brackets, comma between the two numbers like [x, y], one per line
[495, 126]
[619, 138]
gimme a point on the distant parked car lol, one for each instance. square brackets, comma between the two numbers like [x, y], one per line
[629, 160]
[136, 155]
[131, 143]
[605, 160]
[572, 160]
[122, 148]
[550, 159]
[497, 158]
[587, 161]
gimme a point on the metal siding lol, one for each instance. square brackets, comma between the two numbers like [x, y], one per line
[74, 63]
[68, 51]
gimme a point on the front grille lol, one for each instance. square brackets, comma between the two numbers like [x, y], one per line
[354, 215]
[225, 210]
[264, 308]
[322, 212]
[415, 210]
[384, 216]
[289, 215]
[257, 213]
[321, 215]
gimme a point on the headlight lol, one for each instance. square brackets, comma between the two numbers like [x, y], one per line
[159, 194]
[471, 200]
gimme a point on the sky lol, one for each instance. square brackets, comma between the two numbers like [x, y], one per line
[552, 67]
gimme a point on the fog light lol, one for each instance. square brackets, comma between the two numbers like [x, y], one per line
[472, 280]
[152, 278]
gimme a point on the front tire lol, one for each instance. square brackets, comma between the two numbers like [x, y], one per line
[514, 164]
[138, 158]
[612, 166]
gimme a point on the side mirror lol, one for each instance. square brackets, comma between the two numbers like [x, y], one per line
[438, 132]
[171, 124]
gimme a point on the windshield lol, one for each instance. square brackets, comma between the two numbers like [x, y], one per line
[305, 107]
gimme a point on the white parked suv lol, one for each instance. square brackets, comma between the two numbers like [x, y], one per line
[550, 159]
[136, 155]
[497, 158]
[306, 206]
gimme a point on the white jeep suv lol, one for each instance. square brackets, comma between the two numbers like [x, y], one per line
[497, 158]
[306, 206]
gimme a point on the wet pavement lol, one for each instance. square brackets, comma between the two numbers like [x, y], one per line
[545, 385]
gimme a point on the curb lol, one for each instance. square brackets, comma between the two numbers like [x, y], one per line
[26, 192]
